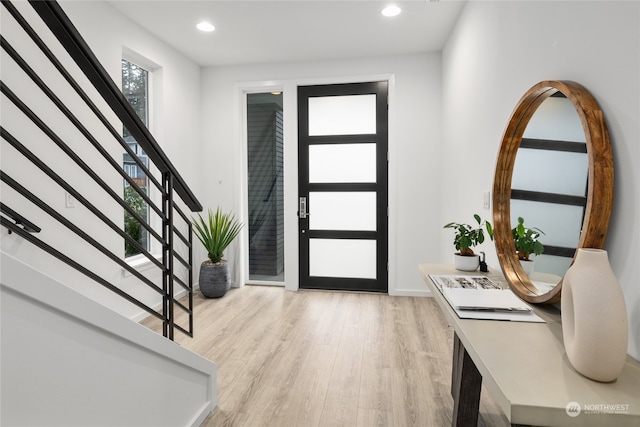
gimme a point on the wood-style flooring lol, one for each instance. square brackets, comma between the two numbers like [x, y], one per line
[315, 358]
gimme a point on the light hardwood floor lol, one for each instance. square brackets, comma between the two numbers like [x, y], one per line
[315, 358]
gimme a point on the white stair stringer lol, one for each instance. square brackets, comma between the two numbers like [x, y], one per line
[67, 360]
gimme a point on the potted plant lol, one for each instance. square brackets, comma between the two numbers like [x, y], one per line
[527, 243]
[216, 233]
[465, 239]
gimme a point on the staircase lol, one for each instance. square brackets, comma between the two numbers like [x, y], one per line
[70, 355]
[69, 361]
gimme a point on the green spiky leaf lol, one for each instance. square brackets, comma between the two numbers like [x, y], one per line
[216, 232]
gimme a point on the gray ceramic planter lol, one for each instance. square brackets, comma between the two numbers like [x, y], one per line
[215, 279]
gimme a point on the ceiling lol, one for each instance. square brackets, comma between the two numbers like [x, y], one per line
[257, 32]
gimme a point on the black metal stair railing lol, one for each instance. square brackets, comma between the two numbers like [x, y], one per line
[19, 222]
[166, 225]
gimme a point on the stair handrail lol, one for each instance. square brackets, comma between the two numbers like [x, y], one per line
[18, 219]
[69, 37]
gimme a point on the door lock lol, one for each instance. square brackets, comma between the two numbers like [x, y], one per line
[302, 208]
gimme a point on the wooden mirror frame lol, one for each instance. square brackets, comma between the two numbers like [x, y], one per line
[599, 190]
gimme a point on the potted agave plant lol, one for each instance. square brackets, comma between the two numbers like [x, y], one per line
[216, 233]
[466, 237]
[527, 243]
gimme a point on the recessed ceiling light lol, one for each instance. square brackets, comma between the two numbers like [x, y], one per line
[206, 27]
[391, 10]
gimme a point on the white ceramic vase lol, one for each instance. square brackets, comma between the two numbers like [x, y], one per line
[594, 317]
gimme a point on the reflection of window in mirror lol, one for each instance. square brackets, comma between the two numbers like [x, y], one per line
[555, 119]
[550, 181]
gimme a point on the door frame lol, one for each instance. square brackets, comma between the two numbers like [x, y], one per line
[289, 87]
[243, 203]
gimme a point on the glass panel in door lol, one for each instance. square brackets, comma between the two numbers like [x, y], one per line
[342, 163]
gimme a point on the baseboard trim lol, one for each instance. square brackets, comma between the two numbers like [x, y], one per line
[142, 314]
[410, 293]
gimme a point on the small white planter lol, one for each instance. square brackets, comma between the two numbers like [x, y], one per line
[527, 266]
[466, 262]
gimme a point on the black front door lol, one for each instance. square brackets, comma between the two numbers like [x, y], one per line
[343, 191]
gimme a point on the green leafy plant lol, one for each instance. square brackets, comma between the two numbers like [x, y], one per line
[131, 225]
[467, 237]
[217, 232]
[526, 240]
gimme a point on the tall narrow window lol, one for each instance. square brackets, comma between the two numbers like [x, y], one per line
[135, 87]
[265, 182]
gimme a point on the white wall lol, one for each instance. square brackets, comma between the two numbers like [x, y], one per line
[414, 144]
[175, 124]
[496, 53]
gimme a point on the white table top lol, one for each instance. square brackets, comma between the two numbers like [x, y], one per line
[526, 370]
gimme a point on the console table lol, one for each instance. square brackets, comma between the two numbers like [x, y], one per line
[525, 368]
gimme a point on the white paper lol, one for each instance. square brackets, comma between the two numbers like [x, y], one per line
[478, 297]
[484, 299]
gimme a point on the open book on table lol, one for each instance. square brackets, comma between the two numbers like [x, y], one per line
[479, 297]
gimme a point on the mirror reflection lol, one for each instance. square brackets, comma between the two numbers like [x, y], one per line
[549, 187]
[555, 170]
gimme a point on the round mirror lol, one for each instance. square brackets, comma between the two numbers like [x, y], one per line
[555, 173]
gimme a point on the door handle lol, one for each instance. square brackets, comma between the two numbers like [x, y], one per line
[302, 208]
